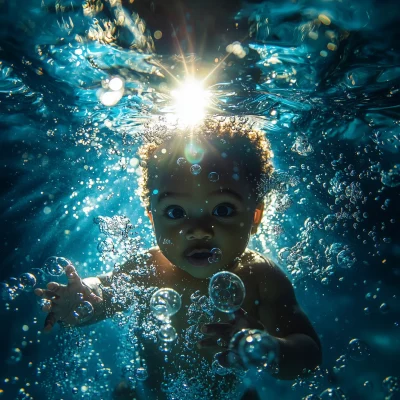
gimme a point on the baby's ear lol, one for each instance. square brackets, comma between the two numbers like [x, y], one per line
[150, 215]
[258, 213]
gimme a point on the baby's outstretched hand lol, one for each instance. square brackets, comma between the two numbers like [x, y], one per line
[219, 335]
[232, 340]
[67, 303]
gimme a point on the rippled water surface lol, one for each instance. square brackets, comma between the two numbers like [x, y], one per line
[79, 81]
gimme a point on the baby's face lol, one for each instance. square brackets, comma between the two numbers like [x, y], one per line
[196, 211]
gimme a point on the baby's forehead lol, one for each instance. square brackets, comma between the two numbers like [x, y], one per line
[197, 151]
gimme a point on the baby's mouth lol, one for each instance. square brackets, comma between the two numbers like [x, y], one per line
[198, 257]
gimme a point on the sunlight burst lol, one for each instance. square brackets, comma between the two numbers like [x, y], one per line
[191, 101]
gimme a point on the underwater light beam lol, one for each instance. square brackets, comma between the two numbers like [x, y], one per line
[191, 101]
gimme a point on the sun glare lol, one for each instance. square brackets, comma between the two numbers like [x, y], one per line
[191, 101]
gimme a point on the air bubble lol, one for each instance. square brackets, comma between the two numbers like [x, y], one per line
[213, 176]
[302, 146]
[195, 169]
[181, 161]
[83, 312]
[226, 291]
[141, 374]
[216, 255]
[167, 333]
[54, 266]
[164, 303]
[28, 281]
[358, 350]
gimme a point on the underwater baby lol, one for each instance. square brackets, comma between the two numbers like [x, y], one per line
[204, 191]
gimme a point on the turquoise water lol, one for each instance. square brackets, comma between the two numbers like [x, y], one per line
[320, 78]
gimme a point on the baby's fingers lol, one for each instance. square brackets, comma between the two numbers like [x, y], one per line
[72, 275]
[229, 359]
[48, 295]
[212, 342]
[217, 329]
[244, 320]
[87, 292]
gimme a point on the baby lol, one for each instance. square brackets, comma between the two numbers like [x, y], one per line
[204, 193]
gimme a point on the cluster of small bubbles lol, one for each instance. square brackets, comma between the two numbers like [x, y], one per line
[164, 303]
[333, 393]
[181, 161]
[118, 225]
[200, 311]
[340, 364]
[15, 356]
[279, 181]
[354, 192]
[213, 177]
[55, 266]
[27, 281]
[226, 291]
[312, 397]
[195, 169]
[391, 384]
[282, 203]
[106, 245]
[284, 253]
[216, 255]
[302, 146]
[83, 312]
[358, 350]
[333, 250]
[338, 185]
[391, 178]
[330, 222]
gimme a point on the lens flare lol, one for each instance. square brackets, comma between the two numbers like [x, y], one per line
[191, 101]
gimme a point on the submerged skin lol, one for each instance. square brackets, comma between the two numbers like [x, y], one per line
[191, 213]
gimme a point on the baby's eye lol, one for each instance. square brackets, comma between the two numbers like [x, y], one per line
[175, 212]
[224, 210]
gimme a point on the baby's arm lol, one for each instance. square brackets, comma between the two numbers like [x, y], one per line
[282, 317]
[64, 300]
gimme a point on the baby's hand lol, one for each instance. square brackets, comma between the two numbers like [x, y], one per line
[219, 335]
[64, 300]
[244, 344]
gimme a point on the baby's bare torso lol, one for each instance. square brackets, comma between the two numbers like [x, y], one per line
[165, 275]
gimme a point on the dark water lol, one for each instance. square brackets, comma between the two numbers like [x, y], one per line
[321, 78]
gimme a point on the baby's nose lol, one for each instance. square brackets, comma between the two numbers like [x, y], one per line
[199, 232]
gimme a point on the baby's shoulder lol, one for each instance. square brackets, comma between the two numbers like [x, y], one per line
[256, 262]
[263, 272]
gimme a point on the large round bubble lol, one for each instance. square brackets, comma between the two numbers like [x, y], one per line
[84, 311]
[164, 303]
[332, 393]
[358, 350]
[226, 291]
[54, 266]
[28, 281]
[256, 348]
[194, 153]
[167, 333]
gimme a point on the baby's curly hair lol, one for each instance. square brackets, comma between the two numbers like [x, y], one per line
[259, 166]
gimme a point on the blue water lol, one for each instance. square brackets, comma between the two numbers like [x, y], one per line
[321, 78]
